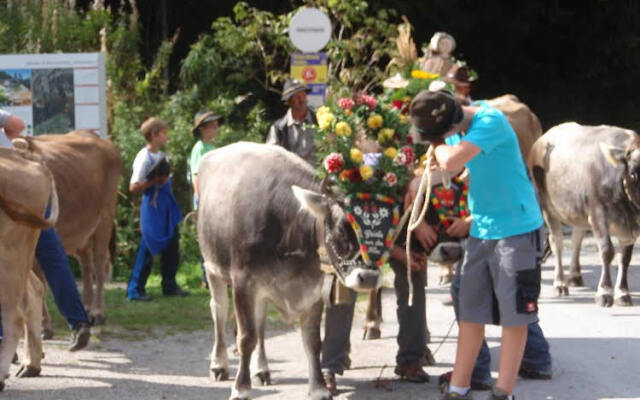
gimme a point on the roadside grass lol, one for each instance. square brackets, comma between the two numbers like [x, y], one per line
[162, 316]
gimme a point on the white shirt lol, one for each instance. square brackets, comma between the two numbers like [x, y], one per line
[144, 162]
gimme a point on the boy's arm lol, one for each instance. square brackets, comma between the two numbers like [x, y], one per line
[142, 186]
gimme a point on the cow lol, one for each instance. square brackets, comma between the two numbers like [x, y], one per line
[26, 189]
[587, 178]
[261, 219]
[87, 171]
[528, 129]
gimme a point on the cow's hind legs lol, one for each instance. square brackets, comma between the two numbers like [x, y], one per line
[219, 304]
[47, 327]
[623, 297]
[244, 303]
[575, 273]
[556, 238]
[310, 329]
[33, 323]
[604, 295]
[259, 365]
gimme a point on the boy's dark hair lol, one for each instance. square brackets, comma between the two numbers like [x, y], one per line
[150, 126]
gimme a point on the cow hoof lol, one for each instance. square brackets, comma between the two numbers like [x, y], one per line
[219, 374]
[575, 281]
[561, 291]
[371, 334]
[14, 360]
[624, 301]
[47, 334]
[262, 378]
[1, 386]
[429, 360]
[28, 372]
[320, 394]
[606, 300]
[98, 320]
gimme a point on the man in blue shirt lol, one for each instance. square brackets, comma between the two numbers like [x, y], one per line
[500, 274]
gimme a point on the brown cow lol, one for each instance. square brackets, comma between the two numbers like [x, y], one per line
[26, 188]
[528, 129]
[87, 170]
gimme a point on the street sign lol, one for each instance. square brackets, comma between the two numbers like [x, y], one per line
[312, 70]
[310, 30]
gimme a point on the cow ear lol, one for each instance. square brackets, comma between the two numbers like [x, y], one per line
[614, 155]
[314, 202]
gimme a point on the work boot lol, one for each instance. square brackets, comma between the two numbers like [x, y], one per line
[412, 371]
[543, 374]
[80, 336]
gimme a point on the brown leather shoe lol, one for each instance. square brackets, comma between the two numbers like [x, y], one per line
[412, 372]
[330, 382]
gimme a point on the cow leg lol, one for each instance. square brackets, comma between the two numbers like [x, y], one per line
[259, 364]
[85, 258]
[446, 274]
[623, 297]
[604, 294]
[33, 324]
[575, 272]
[310, 329]
[373, 316]
[244, 303]
[556, 238]
[11, 325]
[47, 327]
[219, 304]
[101, 262]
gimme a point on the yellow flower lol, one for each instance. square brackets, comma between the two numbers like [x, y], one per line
[348, 112]
[419, 74]
[324, 122]
[322, 111]
[356, 155]
[388, 133]
[374, 121]
[343, 129]
[366, 172]
[391, 152]
[402, 118]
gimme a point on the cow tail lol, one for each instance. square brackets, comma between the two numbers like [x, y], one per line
[53, 204]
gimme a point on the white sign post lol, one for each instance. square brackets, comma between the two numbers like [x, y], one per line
[56, 93]
[310, 31]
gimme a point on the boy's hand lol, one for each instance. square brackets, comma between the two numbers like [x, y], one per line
[459, 227]
[418, 259]
[426, 235]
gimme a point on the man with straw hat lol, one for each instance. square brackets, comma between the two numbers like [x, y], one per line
[290, 131]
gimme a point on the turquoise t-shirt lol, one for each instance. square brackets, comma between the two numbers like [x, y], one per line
[502, 199]
[199, 149]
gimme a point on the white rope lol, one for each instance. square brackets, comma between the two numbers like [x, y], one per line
[413, 221]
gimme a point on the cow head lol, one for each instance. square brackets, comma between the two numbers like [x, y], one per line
[629, 159]
[339, 240]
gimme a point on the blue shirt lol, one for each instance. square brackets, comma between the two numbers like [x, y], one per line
[502, 199]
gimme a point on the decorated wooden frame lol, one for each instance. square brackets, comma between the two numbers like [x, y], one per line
[374, 218]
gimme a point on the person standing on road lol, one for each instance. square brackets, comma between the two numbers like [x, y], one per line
[500, 274]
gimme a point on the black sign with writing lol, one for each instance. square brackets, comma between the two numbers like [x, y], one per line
[374, 218]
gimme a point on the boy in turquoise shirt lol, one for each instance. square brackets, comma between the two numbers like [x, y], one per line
[500, 275]
[205, 128]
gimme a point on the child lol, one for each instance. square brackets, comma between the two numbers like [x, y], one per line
[159, 214]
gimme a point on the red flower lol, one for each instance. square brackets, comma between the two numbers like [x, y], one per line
[368, 100]
[333, 162]
[354, 175]
[346, 103]
[391, 179]
[409, 154]
[409, 139]
[400, 105]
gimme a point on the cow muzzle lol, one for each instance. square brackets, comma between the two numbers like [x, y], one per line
[446, 253]
[363, 279]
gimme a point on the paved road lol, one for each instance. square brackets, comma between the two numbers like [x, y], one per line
[595, 354]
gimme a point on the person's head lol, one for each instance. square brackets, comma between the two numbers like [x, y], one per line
[154, 131]
[206, 124]
[294, 93]
[461, 78]
[434, 115]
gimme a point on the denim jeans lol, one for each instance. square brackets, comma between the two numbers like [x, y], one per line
[536, 352]
[142, 268]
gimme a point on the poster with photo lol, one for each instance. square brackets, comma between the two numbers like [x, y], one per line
[55, 93]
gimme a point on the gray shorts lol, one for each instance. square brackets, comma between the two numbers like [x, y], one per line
[500, 279]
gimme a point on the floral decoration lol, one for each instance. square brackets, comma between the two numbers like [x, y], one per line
[387, 163]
